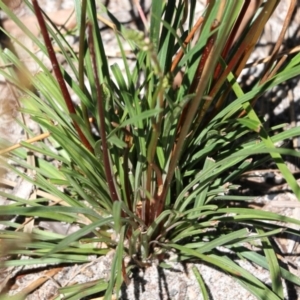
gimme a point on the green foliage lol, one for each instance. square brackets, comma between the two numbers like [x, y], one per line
[160, 170]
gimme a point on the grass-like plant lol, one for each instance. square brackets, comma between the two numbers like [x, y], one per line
[173, 133]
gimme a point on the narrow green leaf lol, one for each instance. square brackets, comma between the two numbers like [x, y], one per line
[116, 268]
[80, 291]
[199, 278]
[78, 234]
[261, 261]
[255, 287]
[273, 265]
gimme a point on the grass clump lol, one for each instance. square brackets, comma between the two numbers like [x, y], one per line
[173, 134]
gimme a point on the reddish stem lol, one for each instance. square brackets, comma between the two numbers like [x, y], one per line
[205, 54]
[231, 37]
[57, 72]
[185, 43]
[197, 77]
[106, 160]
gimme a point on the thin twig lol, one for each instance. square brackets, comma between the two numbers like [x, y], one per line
[277, 67]
[141, 13]
[268, 58]
[278, 44]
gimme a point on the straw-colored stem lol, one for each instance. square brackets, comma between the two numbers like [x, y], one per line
[28, 141]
